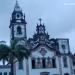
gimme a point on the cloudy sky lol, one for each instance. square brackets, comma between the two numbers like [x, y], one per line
[58, 17]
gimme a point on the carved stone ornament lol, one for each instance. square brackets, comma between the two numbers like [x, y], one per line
[43, 51]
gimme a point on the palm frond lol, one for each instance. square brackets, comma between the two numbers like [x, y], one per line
[4, 51]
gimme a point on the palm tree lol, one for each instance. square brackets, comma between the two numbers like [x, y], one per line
[4, 51]
[12, 52]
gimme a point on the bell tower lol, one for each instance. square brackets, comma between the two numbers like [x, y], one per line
[18, 24]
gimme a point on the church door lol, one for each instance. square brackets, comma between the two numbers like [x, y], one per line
[66, 74]
[44, 73]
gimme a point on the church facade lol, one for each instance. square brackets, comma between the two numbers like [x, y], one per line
[48, 56]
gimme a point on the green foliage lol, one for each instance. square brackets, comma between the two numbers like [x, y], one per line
[4, 51]
[21, 52]
[16, 51]
[13, 44]
[12, 52]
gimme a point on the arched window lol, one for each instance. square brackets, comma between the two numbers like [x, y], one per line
[44, 63]
[39, 65]
[19, 30]
[48, 64]
[54, 63]
[33, 64]
[65, 63]
[20, 63]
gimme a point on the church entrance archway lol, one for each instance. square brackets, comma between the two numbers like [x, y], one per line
[44, 73]
[66, 74]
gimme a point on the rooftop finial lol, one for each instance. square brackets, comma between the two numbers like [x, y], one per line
[16, 1]
[40, 20]
[17, 5]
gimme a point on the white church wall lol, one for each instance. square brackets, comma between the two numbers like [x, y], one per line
[66, 69]
[20, 71]
[73, 66]
[5, 70]
[63, 45]
[51, 54]
[38, 71]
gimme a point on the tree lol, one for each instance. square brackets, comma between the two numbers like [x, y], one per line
[4, 51]
[10, 53]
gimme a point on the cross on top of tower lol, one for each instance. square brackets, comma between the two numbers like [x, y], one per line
[17, 7]
[40, 20]
[16, 2]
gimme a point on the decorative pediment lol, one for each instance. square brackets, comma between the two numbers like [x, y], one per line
[43, 51]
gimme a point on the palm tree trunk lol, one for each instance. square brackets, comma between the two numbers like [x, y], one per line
[27, 67]
[12, 68]
[12, 64]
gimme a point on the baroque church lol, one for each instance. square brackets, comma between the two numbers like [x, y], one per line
[48, 56]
